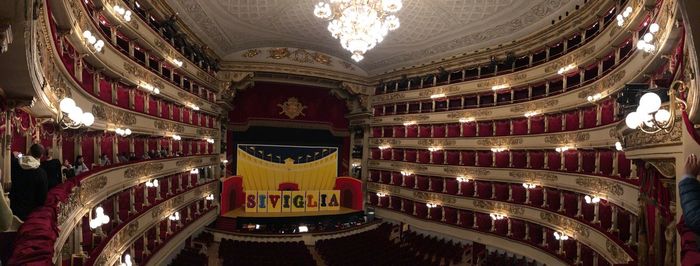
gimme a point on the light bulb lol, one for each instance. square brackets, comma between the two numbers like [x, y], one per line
[588, 199]
[618, 146]
[654, 28]
[633, 120]
[662, 116]
[127, 131]
[649, 103]
[87, 34]
[104, 219]
[88, 119]
[641, 44]
[628, 9]
[66, 105]
[91, 39]
[94, 224]
[99, 211]
[648, 37]
[76, 114]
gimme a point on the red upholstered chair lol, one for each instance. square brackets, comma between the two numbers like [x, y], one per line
[485, 129]
[502, 128]
[519, 159]
[571, 160]
[537, 124]
[399, 131]
[376, 132]
[412, 131]
[588, 161]
[424, 131]
[438, 157]
[519, 126]
[484, 158]
[388, 132]
[436, 184]
[501, 191]
[411, 156]
[483, 189]
[423, 156]
[553, 199]
[88, 81]
[451, 186]
[518, 193]
[375, 154]
[422, 182]
[572, 120]
[536, 159]
[606, 162]
[468, 129]
[453, 130]
[452, 157]
[607, 112]
[386, 154]
[554, 123]
[502, 159]
[398, 155]
[590, 117]
[409, 181]
[468, 158]
[553, 160]
[439, 131]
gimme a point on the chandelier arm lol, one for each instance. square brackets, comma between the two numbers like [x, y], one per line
[649, 131]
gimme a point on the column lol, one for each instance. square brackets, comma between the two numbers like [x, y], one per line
[544, 197]
[169, 224]
[596, 213]
[158, 197]
[579, 206]
[544, 238]
[158, 241]
[146, 203]
[527, 231]
[132, 204]
[578, 253]
[510, 232]
[493, 190]
[561, 202]
[527, 196]
[430, 180]
[613, 225]
[170, 186]
[444, 185]
[510, 193]
[7, 151]
[146, 252]
[115, 212]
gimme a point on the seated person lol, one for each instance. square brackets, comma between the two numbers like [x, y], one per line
[104, 160]
[146, 156]
[122, 158]
[52, 167]
[132, 157]
[80, 166]
[29, 183]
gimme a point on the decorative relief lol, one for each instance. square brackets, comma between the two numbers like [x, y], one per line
[597, 184]
[189, 98]
[475, 114]
[69, 206]
[567, 224]
[91, 186]
[409, 166]
[143, 170]
[427, 196]
[534, 106]
[412, 118]
[179, 200]
[374, 163]
[502, 80]
[439, 90]
[500, 142]
[113, 116]
[251, 53]
[667, 167]
[437, 142]
[210, 132]
[638, 139]
[388, 97]
[532, 176]
[453, 170]
[380, 187]
[567, 138]
[616, 252]
[574, 58]
[161, 210]
[603, 85]
[384, 141]
[142, 74]
[292, 108]
[131, 229]
[189, 163]
[298, 55]
[168, 126]
[499, 207]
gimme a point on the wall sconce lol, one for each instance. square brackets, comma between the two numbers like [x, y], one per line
[384, 146]
[624, 15]
[95, 44]
[71, 116]
[594, 98]
[224, 161]
[438, 96]
[382, 194]
[126, 14]
[193, 106]
[431, 205]
[498, 149]
[177, 62]
[210, 197]
[175, 216]
[618, 146]
[406, 172]
[462, 178]
[647, 41]
[194, 171]
[409, 123]
[123, 132]
[434, 148]
[529, 185]
[500, 87]
[177, 137]
[127, 260]
[650, 118]
[466, 119]
[566, 68]
[210, 140]
[531, 114]
[591, 199]
[100, 218]
[152, 183]
[150, 88]
[564, 148]
[498, 216]
[560, 236]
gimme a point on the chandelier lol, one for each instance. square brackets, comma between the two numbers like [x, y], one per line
[359, 24]
[650, 117]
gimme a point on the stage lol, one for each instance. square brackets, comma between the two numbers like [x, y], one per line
[288, 222]
[240, 213]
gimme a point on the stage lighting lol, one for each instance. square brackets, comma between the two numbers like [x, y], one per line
[303, 229]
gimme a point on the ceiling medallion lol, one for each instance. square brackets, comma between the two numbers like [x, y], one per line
[359, 24]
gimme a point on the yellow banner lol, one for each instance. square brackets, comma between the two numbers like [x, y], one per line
[292, 201]
[259, 174]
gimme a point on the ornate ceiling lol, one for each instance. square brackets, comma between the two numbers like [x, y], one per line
[430, 29]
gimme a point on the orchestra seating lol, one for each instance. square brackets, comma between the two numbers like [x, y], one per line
[238, 253]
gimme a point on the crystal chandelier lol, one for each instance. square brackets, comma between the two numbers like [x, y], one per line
[359, 24]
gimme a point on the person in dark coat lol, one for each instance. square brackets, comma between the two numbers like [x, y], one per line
[52, 167]
[29, 183]
[689, 190]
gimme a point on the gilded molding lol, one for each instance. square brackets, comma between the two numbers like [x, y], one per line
[570, 59]
[389, 97]
[597, 184]
[412, 118]
[465, 171]
[530, 176]
[437, 142]
[565, 223]
[380, 187]
[567, 138]
[91, 186]
[502, 80]
[475, 114]
[509, 209]
[500, 142]
[409, 166]
[385, 141]
[143, 74]
[113, 116]
[168, 126]
[189, 163]
[189, 98]
[213, 132]
[251, 53]
[616, 252]
[637, 139]
[667, 167]
[439, 90]
[374, 163]
[142, 170]
[605, 84]
[427, 196]
[534, 106]
[69, 206]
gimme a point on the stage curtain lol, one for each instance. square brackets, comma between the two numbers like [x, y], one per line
[259, 174]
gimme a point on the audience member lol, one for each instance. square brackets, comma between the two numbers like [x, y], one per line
[80, 166]
[132, 157]
[104, 160]
[689, 191]
[122, 158]
[29, 183]
[52, 167]
[146, 156]
[67, 169]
